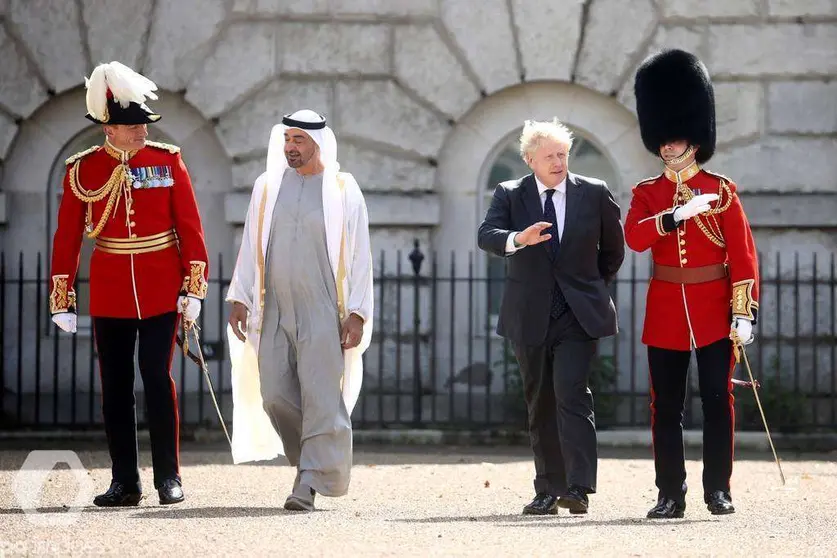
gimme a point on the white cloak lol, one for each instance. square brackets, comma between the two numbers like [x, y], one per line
[349, 251]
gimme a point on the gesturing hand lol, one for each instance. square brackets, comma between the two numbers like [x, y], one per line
[532, 235]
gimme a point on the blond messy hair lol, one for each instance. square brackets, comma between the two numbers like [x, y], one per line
[534, 132]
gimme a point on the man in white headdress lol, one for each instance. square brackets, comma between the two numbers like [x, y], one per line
[301, 316]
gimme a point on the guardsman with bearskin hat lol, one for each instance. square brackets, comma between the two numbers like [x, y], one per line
[705, 280]
[149, 268]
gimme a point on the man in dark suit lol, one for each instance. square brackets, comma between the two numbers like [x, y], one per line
[564, 240]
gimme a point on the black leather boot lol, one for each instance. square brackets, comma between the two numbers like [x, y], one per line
[118, 495]
[575, 500]
[170, 492]
[719, 503]
[667, 508]
[543, 504]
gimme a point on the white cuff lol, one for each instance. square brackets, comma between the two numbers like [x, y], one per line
[510, 247]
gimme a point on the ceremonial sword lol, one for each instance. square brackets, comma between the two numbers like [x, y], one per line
[189, 325]
[738, 352]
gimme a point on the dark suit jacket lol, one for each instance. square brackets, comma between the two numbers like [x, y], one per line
[592, 250]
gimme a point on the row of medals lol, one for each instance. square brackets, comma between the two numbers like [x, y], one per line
[151, 177]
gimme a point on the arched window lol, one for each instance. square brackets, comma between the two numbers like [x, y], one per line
[85, 139]
[586, 158]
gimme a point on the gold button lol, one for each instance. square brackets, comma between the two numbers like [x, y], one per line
[684, 260]
[131, 212]
[133, 224]
[133, 235]
[683, 251]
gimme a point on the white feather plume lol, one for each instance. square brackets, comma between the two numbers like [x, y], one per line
[97, 89]
[125, 84]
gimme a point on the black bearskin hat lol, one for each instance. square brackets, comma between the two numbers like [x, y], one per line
[675, 100]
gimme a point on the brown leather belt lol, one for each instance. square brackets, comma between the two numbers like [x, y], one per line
[690, 275]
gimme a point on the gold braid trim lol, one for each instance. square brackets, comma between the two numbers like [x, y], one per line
[715, 236]
[111, 190]
[195, 284]
[742, 299]
[80, 155]
[62, 298]
[658, 221]
[160, 145]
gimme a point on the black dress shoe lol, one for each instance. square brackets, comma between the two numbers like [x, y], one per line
[170, 492]
[575, 500]
[667, 508]
[543, 504]
[118, 495]
[719, 503]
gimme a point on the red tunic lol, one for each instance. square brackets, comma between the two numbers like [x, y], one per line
[148, 250]
[686, 316]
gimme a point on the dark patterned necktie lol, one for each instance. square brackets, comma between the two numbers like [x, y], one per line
[559, 303]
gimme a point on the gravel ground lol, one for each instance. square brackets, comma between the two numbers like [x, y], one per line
[438, 501]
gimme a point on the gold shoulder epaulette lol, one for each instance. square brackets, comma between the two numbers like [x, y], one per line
[81, 154]
[160, 145]
[648, 180]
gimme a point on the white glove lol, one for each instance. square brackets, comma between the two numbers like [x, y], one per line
[189, 307]
[744, 329]
[695, 206]
[66, 321]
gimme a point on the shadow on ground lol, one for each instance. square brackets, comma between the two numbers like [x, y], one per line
[215, 512]
[546, 521]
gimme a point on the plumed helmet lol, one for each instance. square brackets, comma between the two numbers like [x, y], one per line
[116, 94]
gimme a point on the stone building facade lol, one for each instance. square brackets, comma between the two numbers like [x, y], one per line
[426, 97]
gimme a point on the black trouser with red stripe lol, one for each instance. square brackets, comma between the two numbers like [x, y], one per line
[669, 370]
[154, 340]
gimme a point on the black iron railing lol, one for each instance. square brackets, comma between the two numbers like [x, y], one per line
[435, 361]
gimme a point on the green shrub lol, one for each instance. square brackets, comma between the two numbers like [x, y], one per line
[785, 410]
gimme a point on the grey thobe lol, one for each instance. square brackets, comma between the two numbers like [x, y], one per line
[300, 357]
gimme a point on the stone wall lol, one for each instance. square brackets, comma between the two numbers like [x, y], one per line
[421, 93]
[395, 77]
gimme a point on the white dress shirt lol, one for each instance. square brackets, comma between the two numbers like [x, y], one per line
[559, 201]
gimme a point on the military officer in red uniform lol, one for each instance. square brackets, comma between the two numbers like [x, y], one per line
[705, 275]
[135, 198]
